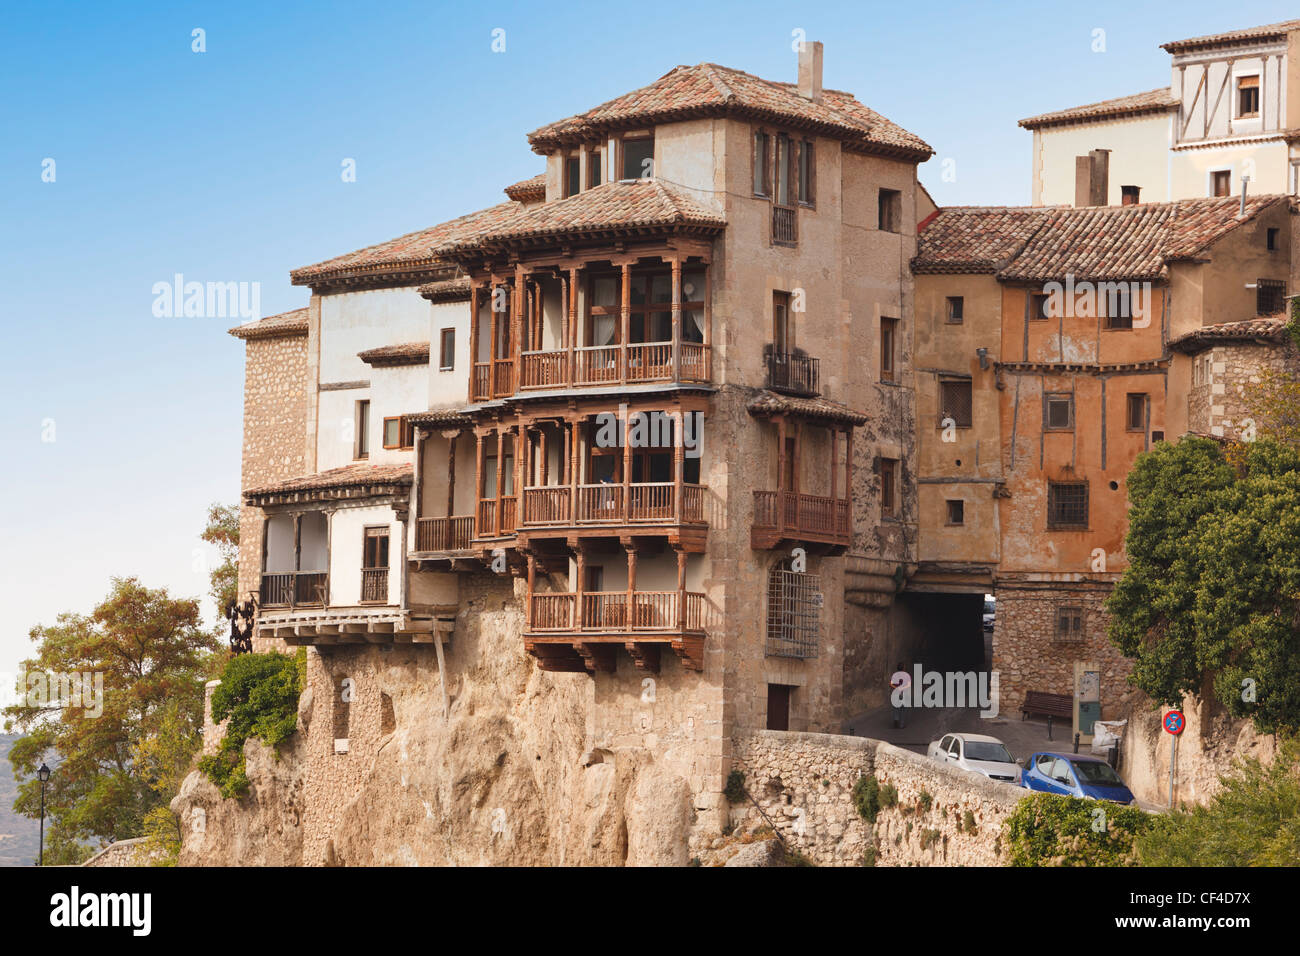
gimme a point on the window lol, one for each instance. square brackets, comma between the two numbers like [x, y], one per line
[1067, 504]
[889, 487]
[1270, 296]
[1058, 411]
[1069, 623]
[1247, 97]
[1119, 306]
[956, 511]
[782, 327]
[398, 433]
[890, 210]
[1038, 305]
[595, 162]
[1136, 416]
[762, 164]
[1272, 240]
[784, 148]
[638, 157]
[888, 327]
[794, 603]
[374, 565]
[807, 172]
[955, 403]
[956, 309]
[361, 429]
[1221, 182]
[447, 350]
[572, 176]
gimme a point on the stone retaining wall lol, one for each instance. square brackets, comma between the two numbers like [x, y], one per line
[803, 784]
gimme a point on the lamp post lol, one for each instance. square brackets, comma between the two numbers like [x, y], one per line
[43, 774]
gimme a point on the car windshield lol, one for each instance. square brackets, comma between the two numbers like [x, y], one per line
[1095, 771]
[984, 750]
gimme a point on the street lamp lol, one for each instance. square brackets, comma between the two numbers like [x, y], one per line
[43, 774]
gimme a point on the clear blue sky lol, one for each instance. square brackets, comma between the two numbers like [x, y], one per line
[225, 166]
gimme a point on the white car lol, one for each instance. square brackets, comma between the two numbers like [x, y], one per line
[977, 753]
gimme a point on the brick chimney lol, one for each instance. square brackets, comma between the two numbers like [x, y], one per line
[810, 70]
[1092, 178]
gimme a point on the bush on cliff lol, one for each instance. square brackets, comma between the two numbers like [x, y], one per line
[1050, 830]
[259, 697]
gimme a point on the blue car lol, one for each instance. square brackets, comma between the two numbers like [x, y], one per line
[1074, 775]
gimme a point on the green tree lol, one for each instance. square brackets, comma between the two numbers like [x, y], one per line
[258, 697]
[118, 749]
[1047, 829]
[1210, 600]
[222, 532]
[1253, 821]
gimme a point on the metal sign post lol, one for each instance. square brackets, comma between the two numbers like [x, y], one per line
[1173, 722]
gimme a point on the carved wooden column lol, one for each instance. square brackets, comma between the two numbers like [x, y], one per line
[626, 317]
[630, 614]
[627, 466]
[479, 532]
[473, 335]
[495, 318]
[681, 589]
[835, 462]
[573, 324]
[579, 585]
[679, 463]
[677, 319]
[532, 578]
[501, 459]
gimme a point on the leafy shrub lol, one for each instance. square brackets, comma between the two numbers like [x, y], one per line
[735, 789]
[870, 796]
[869, 856]
[968, 822]
[929, 838]
[924, 801]
[258, 697]
[1050, 830]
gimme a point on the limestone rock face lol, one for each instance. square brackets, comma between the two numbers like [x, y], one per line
[762, 853]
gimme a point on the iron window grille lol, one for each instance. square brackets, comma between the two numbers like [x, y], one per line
[1067, 504]
[794, 604]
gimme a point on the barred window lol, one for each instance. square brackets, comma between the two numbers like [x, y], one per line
[1067, 504]
[1270, 296]
[794, 603]
[955, 402]
[1069, 623]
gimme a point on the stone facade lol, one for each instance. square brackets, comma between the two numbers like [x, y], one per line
[1221, 402]
[803, 786]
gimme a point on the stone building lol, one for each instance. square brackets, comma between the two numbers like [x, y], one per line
[649, 425]
[1052, 347]
[1231, 110]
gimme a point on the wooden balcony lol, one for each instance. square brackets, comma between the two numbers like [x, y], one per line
[567, 631]
[436, 535]
[374, 585]
[610, 504]
[793, 373]
[492, 380]
[490, 510]
[638, 362]
[295, 589]
[785, 516]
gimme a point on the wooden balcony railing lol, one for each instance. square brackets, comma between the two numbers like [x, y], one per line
[785, 514]
[492, 380]
[603, 611]
[487, 516]
[605, 364]
[643, 503]
[295, 589]
[444, 534]
[793, 373]
[374, 585]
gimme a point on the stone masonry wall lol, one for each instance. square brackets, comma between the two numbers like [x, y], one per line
[1029, 655]
[1220, 406]
[275, 429]
[803, 784]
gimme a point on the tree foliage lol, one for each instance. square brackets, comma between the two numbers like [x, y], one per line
[115, 754]
[258, 697]
[1210, 600]
[1253, 821]
[1047, 829]
[222, 532]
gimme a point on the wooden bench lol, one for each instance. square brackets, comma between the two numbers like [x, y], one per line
[1047, 705]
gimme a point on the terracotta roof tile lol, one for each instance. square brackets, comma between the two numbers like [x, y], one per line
[532, 188]
[1153, 101]
[411, 353]
[349, 476]
[1270, 31]
[448, 290]
[708, 89]
[284, 324]
[409, 250]
[1266, 328]
[1033, 244]
[814, 409]
[440, 416]
[613, 206]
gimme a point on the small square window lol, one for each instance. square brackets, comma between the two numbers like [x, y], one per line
[1247, 97]
[1067, 504]
[1137, 412]
[956, 309]
[1270, 296]
[1119, 308]
[956, 511]
[955, 403]
[1058, 411]
[638, 157]
[1038, 305]
[1069, 623]
[1221, 182]
[399, 433]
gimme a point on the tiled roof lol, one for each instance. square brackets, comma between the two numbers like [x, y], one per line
[412, 353]
[349, 476]
[611, 208]
[284, 324]
[440, 416]
[1270, 31]
[708, 89]
[1153, 101]
[1265, 328]
[532, 188]
[813, 409]
[448, 290]
[1033, 244]
[408, 251]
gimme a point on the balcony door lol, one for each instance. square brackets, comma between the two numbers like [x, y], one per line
[374, 566]
[782, 332]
